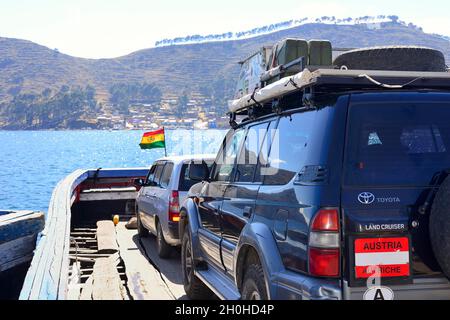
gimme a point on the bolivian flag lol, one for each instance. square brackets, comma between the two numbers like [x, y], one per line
[153, 139]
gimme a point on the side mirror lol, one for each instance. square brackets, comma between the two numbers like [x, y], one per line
[139, 182]
[198, 171]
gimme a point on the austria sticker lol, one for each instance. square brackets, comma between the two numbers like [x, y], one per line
[390, 255]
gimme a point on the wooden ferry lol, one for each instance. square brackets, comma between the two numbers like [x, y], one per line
[18, 234]
[82, 254]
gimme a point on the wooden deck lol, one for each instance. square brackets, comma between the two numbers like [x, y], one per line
[82, 255]
[47, 277]
[113, 263]
[149, 277]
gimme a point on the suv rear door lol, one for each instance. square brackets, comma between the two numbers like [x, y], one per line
[161, 195]
[396, 144]
[142, 200]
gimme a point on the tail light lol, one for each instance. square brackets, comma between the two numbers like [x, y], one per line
[174, 207]
[324, 244]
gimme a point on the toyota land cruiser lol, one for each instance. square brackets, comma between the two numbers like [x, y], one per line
[337, 188]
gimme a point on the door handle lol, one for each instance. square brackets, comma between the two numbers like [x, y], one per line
[248, 211]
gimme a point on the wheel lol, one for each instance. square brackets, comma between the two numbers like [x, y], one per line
[440, 227]
[142, 231]
[395, 58]
[195, 289]
[164, 249]
[254, 286]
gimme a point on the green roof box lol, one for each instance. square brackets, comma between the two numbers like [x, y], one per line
[320, 53]
[285, 51]
[288, 50]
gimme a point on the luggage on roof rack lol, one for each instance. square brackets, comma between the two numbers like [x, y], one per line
[284, 52]
[251, 70]
[295, 68]
[291, 56]
[319, 53]
[286, 58]
[346, 80]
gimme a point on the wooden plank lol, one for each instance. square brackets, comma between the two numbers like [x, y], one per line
[34, 277]
[74, 291]
[46, 272]
[14, 252]
[170, 269]
[16, 262]
[81, 259]
[144, 281]
[106, 237]
[109, 195]
[65, 261]
[86, 291]
[13, 215]
[107, 284]
[61, 236]
[90, 255]
[74, 286]
[39, 283]
[20, 224]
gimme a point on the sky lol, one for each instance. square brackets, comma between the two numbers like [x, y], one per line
[112, 28]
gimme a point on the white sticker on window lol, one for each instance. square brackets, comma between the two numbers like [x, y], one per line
[374, 139]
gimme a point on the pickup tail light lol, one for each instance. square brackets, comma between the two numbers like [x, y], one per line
[324, 244]
[174, 207]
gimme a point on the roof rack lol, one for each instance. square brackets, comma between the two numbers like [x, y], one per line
[350, 79]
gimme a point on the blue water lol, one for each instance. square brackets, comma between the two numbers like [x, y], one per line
[32, 162]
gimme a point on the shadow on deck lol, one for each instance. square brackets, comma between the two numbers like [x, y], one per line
[149, 276]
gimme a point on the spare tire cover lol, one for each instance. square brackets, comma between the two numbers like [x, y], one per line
[394, 58]
[440, 226]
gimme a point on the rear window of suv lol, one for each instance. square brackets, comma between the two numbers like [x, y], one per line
[397, 143]
[186, 183]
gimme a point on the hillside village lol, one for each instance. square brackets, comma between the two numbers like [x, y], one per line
[181, 83]
[199, 114]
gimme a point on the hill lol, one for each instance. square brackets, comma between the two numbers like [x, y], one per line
[208, 69]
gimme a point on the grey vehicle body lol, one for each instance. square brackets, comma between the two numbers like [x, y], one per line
[165, 176]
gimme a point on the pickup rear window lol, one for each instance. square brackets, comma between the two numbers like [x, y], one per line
[397, 143]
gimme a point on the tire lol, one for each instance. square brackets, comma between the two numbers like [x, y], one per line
[142, 231]
[440, 227]
[394, 58]
[195, 289]
[254, 286]
[164, 249]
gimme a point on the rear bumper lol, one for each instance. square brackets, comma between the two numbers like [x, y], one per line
[436, 288]
[293, 286]
[172, 237]
[289, 285]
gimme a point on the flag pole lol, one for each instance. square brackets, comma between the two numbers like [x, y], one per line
[165, 150]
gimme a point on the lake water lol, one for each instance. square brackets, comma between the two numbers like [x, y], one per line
[32, 162]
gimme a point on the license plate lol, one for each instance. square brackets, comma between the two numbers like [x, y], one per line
[388, 257]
